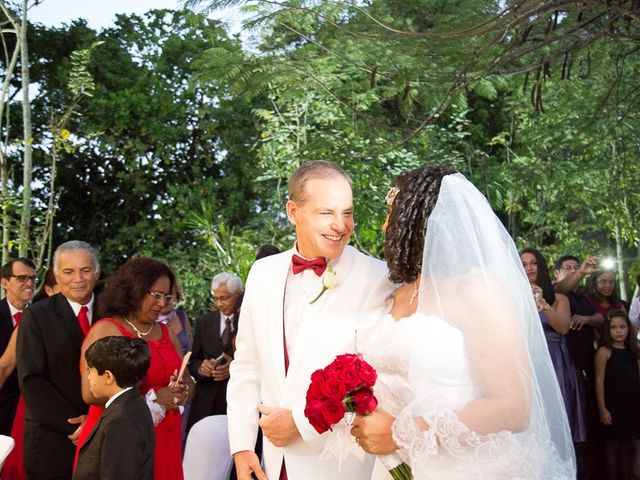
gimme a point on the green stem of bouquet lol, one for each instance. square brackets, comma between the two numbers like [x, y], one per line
[401, 472]
[324, 289]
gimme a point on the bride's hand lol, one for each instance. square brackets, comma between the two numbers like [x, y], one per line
[373, 432]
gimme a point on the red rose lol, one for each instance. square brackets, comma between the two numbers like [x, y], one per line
[314, 413]
[346, 361]
[350, 378]
[367, 374]
[319, 423]
[314, 391]
[365, 402]
[318, 376]
[334, 389]
[333, 411]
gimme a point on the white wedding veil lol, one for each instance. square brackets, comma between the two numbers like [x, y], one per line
[511, 421]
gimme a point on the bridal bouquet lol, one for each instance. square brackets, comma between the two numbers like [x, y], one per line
[344, 386]
[343, 389]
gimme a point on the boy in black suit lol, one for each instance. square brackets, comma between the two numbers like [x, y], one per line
[121, 445]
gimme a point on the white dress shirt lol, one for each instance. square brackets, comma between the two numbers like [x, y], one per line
[300, 289]
[77, 306]
[111, 399]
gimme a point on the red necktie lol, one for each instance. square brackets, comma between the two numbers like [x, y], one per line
[83, 320]
[318, 265]
[17, 316]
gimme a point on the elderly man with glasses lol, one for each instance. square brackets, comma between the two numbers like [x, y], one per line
[213, 347]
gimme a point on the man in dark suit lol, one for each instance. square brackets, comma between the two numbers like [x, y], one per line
[48, 355]
[121, 445]
[213, 339]
[19, 284]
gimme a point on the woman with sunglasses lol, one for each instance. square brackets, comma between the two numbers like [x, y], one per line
[130, 304]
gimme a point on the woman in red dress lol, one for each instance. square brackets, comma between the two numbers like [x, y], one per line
[131, 303]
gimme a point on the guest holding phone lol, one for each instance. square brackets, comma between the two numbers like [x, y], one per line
[213, 347]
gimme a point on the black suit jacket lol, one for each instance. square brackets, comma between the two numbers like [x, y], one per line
[210, 397]
[48, 354]
[121, 445]
[9, 393]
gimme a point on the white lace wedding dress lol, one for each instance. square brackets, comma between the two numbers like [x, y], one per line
[441, 383]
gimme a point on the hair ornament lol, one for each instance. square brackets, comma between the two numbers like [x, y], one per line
[391, 195]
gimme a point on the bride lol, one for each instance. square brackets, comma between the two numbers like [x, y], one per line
[466, 387]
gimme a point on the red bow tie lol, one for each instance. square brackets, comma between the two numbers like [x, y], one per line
[318, 265]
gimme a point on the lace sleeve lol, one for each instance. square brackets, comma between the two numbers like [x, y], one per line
[450, 448]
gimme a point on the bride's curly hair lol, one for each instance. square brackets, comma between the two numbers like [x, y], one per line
[418, 191]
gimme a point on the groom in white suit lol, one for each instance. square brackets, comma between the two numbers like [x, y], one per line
[284, 335]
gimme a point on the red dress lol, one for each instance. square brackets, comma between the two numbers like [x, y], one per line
[164, 362]
[13, 468]
[595, 303]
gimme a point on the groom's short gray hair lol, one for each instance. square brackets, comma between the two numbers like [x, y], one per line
[311, 170]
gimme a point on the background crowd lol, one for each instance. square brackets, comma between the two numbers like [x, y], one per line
[45, 333]
[48, 404]
[581, 313]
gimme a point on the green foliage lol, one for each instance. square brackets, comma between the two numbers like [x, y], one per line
[80, 79]
[184, 150]
[384, 86]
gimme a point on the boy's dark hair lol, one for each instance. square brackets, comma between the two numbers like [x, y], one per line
[128, 359]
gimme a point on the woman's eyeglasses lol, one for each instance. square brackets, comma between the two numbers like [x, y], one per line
[159, 297]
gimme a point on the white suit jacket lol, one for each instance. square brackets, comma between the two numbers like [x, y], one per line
[258, 374]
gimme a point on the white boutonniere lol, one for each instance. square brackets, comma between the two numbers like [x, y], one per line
[329, 280]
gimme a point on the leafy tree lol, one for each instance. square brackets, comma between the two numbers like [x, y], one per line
[534, 101]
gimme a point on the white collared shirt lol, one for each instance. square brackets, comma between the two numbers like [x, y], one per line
[110, 401]
[77, 306]
[13, 310]
[300, 289]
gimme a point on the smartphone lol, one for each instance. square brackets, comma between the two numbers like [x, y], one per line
[183, 367]
[221, 360]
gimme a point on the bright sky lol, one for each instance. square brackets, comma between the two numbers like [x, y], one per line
[102, 13]
[98, 13]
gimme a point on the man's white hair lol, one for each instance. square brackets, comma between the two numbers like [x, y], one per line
[74, 246]
[231, 280]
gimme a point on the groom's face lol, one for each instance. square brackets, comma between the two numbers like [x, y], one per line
[324, 217]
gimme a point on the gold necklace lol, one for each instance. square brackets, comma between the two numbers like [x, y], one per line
[138, 332]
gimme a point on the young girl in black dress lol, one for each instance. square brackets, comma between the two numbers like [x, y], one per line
[618, 395]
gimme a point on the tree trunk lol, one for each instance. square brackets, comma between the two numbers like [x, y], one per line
[25, 221]
[622, 283]
[4, 116]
